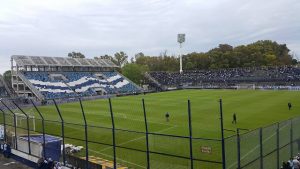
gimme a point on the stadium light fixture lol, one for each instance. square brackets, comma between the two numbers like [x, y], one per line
[180, 40]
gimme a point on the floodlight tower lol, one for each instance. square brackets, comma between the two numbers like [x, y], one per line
[180, 40]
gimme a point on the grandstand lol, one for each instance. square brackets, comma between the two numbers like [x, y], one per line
[224, 78]
[62, 77]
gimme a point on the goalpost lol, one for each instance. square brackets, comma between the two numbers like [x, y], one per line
[21, 121]
[249, 86]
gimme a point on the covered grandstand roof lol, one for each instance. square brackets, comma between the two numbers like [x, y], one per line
[23, 60]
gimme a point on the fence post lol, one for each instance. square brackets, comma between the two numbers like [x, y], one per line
[222, 134]
[113, 132]
[277, 146]
[190, 132]
[62, 131]
[43, 128]
[15, 123]
[4, 123]
[28, 132]
[147, 137]
[238, 139]
[86, 136]
[291, 139]
[261, 148]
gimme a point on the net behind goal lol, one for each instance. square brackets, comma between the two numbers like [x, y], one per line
[249, 86]
[21, 121]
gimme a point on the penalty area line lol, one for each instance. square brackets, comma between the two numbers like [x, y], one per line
[138, 138]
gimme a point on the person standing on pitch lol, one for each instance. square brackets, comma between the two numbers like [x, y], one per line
[167, 116]
[289, 105]
[233, 118]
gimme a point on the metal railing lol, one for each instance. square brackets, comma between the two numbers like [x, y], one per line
[265, 147]
[152, 149]
[144, 147]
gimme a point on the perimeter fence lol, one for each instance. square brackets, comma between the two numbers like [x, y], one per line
[263, 148]
[104, 136]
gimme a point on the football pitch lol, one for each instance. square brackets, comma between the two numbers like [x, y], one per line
[253, 108]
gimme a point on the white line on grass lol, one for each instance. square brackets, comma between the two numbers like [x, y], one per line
[169, 128]
[97, 152]
[232, 165]
[134, 119]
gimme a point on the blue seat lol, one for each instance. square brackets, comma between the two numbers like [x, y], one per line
[81, 82]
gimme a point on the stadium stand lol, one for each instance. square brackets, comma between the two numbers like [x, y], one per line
[285, 75]
[122, 84]
[57, 77]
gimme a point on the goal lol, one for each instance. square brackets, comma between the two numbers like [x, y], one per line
[249, 86]
[21, 121]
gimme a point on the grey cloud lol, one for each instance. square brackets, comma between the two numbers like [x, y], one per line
[105, 27]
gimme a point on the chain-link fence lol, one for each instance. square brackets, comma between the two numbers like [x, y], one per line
[102, 134]
[264, 148]
[105, 135]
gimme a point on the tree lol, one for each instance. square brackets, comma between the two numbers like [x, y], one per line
[132, 60]
[76, 55]
[104, 57]
[136, 56]
[140, 54]
[260, 53]
[134, 72]
[120, 58]
[7, 77]
[164, 53]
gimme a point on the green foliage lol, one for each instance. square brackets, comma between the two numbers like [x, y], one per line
[7, 77]
[104, 57]
[160, 63]
[120, 58]
[134, 72]
[76, 55]
[260, 53]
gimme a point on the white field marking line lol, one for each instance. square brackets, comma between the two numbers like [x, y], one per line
[97, 152]
[138, 119]
[119, 115]
[232, 165]
[169, 128]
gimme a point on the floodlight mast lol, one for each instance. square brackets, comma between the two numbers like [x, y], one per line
[180, 40]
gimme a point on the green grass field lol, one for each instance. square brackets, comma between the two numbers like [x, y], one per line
[253, 108]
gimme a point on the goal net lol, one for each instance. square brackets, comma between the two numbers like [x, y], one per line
[21, 121]
[249, 86]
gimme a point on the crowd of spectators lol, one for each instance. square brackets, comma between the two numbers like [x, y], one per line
[48, 163]
[293, 163]
[233, 75]
[5, 149]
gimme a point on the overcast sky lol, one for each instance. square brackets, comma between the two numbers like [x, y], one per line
[98, 27]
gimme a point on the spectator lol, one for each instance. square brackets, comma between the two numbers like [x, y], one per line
[290, 163]
[296, 163]
[285, 74]
[57, 165]
[284, 165]
[6, 150]
[50, 163]
[40, 163]
[1, 147]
